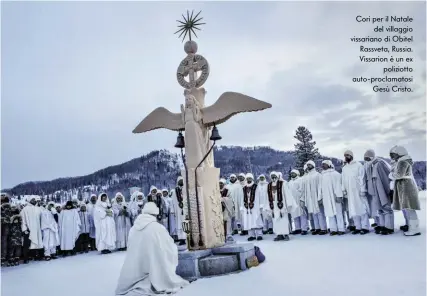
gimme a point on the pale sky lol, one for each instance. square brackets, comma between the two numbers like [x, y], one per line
[78, 77]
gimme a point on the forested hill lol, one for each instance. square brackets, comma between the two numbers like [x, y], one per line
[161, 168]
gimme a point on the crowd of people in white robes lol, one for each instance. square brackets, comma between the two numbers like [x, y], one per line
[317, 201]
[322, 200]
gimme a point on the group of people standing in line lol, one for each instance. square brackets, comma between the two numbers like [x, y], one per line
[362, 191]
[328, 201]
[38, 231]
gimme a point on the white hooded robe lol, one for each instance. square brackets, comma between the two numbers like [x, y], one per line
[353, 184]
[50, 231]
[330, 188]
[31, 221]
[151, 261]
[177, 212]
[105, 226]
[69, 228]
[122, 221]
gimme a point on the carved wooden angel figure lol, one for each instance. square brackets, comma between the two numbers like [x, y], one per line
[197, 120]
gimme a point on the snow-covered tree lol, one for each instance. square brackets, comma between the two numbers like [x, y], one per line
[305, 148]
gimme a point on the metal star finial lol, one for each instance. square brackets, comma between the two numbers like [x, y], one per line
[189, 24]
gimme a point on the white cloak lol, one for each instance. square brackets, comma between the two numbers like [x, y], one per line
[50, 230]
[353, 184]
[122, 223]
[280, 216]
[105, 229]
[31, 219]
[69, 228]
[251, 218]
[151, 261]
[329, 189]
[310, 191]
[263, 198]
[296, 188]
[178, 214]
[236, 193]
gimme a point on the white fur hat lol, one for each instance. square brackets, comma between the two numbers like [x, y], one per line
[311, 162]
[249, 175]
[348, 152]
[327, 162]
[222, 181]
[295, 172]
[150, 208]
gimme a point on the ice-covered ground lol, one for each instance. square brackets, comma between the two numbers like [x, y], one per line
[369, 265]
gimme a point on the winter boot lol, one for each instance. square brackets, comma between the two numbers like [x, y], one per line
[364, 231]
[259, 238]
[47, 258]
[351, 228]
[298, 231]
[341, 233]
[404, 228]
[279, 238]
[251, 238]
[387, 231]
[235, 231]
[286, 238]
[378, 229]
[264, 232]
[304, 232]
[322, 232]
[356, 231]
[413, 228]
[374, 225]
[270, 231]
[316, 232]
[333, 233]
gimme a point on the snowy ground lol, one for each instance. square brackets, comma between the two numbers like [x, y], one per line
[369, 265]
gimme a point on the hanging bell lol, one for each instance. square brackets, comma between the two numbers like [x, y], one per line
[180, 143]
[215, 135]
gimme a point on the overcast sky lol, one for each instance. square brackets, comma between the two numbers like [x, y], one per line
[78, 77]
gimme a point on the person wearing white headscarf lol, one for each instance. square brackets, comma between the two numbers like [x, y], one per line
[151, 259]
[310, 218]
[167, 196]
[136, 204]
[156, 197]
[251, 209]
[280, 203]
[31, 229]
[377, 172]
[82, 244]
[122, 221]
[298, 214]
[105, 225]
[263, 197]
[354, 189]
[50, 231]
[312, 200]
[332, 196]
[236, 193]
[176, 212]
[90, 207]
[405, 190]
[69, 228]
[228, 210]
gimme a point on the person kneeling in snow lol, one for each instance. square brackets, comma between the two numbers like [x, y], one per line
[151, 258]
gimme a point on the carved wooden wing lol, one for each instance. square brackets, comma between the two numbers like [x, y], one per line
[229, 104]
[160, 118]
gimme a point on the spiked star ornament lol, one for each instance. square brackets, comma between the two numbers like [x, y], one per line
[189, 24]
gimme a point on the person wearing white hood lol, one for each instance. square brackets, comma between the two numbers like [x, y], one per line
[313, 200]
[156, 197]
[281, 203]
[69, 228]
[151, 259]
[50, 231]
[266, 213]
[298, 214]
[354, 188]
[228, 210]
[122, 221]
[90, 207]
[332, 196]
[105, 225]
[251, 209]
[405, 190]
[236, 193]
[377, 172]
[168, 201]
[31, 229]
[137, 202]
[176, 212]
